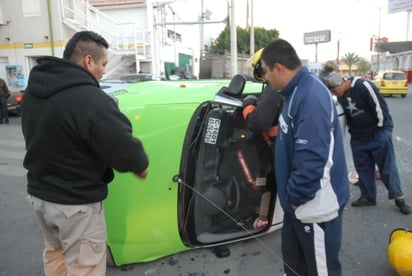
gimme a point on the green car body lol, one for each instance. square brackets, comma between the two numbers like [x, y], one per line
[147, 220]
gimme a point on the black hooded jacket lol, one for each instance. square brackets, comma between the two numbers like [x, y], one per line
[75, 134]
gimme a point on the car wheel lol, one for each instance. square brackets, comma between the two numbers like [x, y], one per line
[403, 95]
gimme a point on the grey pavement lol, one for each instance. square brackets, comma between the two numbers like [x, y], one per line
[365, 232]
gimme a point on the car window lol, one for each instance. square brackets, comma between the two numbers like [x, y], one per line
[394, 76]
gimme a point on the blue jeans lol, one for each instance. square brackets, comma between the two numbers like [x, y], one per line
[380, 151]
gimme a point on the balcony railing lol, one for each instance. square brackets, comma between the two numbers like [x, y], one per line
[122, 37]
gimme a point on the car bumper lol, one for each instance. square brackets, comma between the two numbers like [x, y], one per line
[14, 108]
[394, 91]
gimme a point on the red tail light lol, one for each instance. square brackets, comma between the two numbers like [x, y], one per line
[382, 83]
[19, 98]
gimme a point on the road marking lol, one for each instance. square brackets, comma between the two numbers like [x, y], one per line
[11, 157]
[12, 170]
[12, 143]
[19, 155]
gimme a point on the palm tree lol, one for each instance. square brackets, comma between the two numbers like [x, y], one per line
[350, 59]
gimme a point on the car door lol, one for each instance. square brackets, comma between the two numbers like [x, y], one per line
[227, 188]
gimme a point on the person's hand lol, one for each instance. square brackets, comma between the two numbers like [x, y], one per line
[142, 175]
[249, 100]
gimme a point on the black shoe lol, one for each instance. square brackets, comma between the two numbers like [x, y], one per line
[363, 201]
[221, 251]
[403, 207]
[6, 122]
[1, 122]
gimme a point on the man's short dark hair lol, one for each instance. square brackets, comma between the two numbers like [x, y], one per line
[282, 52]
[84, 43]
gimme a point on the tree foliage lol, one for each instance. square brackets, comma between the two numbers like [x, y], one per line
[350, 59]
[363, 65]
[262, 38]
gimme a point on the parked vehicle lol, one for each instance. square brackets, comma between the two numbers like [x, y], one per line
[110, 86]
[392, 83]
[130, 78]
[210, 180]
[14, 102]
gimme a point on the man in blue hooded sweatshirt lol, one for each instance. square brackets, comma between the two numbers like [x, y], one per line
[311, 172]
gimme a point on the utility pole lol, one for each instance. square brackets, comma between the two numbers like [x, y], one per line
[252, 30]
[233, 39]
[337, 50]
[247, 13]
[408, 25]
[202, 18]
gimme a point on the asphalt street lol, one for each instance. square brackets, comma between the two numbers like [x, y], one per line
[365, 232]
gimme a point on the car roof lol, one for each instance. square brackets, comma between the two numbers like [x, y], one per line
[392, 75]
[390, 71]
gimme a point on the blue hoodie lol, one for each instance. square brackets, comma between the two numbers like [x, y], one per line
[365, 108]
[310, 162]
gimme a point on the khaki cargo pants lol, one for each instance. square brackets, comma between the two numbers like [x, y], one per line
[74, 237]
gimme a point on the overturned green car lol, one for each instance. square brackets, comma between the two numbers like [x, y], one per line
[211, 179]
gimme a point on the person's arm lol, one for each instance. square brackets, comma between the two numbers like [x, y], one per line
[114, 141]
[264, 112]
[377, 103]
[312, 131]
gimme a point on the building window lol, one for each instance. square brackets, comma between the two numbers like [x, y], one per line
[115, 2]
[174, 36]
[31, 8]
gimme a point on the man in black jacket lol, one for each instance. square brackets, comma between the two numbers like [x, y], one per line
[75, 136]
[4, 95]
[262, 113]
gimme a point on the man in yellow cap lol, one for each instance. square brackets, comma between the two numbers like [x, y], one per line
[262, 113]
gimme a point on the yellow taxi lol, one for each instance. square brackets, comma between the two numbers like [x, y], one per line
[392, 83]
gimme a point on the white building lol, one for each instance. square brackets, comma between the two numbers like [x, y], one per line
[140, 37]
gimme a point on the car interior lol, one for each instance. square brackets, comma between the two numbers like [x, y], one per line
[230, 170]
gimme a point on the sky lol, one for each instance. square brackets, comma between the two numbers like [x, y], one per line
[351, 22]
